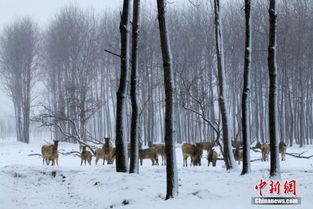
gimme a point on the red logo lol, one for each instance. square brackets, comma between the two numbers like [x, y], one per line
[274, 187]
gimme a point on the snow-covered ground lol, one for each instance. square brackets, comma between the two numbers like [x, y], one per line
[26, 184]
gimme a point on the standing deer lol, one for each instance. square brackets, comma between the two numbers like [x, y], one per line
[149, 153]
[265, 149]
[50, 153]
[207, 145]
[106, 152]
[236, 143]
[160, 150]
[212, 157]
[238, 154]
[198, 151]
[85, 156]
[192, 151]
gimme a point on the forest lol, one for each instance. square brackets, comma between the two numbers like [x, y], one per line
[220, 80]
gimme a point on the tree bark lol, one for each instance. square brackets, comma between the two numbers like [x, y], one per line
[134, 163]
[228, 154]
[120, 143]
[272, 69]
[171, 166]
[246, 88]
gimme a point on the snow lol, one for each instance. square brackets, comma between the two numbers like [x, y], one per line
[26, 184]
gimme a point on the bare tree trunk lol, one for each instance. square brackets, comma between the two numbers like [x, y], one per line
[171, 166]
[134, 163]
[120, 143]
[272, 68]
[246, 167]
[228, 154]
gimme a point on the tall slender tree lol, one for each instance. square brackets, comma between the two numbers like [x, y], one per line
[246, 87]
[134, 163]
[228, 154]
[18, 52]
[171, 166]
[120, 143]
[272, 70]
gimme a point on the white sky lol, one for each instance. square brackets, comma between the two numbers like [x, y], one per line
[43, 10]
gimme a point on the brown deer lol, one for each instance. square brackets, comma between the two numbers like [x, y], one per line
[149, 153]
[85, 156]
[197, 155]
[54, 159]
[160, 150]
[212, 157]
[236, 143]
[50, 153]
[265, 149]
[111, 157]
[99, 155]
[194, 152]
[207, 145]
[107, 146]
[282, 150]
[106, 152]
[238, 154]
[129, 148]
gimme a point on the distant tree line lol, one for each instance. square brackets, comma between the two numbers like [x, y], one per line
[76, 58]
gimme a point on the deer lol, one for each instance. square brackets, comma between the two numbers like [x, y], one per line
[99, 155]
[105, 152]
[207, 145]
[265, 149]
[111, 157]
[85, 156]
[149, 153]
[50, 153]
[212, 157]
[236, 143]
[238, 154]
[198, 151]
[194, 151]
[160, 150]
[282, 150]
[54, 159]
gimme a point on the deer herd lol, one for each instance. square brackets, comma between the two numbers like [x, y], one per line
[193, 151]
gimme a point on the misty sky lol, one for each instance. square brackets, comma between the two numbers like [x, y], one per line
[43, 10]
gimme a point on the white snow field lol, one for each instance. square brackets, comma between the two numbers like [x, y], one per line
[26, 184]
